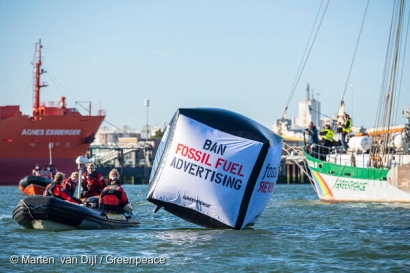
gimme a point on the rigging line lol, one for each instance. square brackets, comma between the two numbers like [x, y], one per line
[390, 73]
[310, 109]
[401, 61]
[54, 79]
[57, 85]
[305, 60]
[402, 64]
[382, 95]
[115, 126]
[303, 168]
[355, 50]
[306, 48]
[395, 61]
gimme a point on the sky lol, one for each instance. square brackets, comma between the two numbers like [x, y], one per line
[242, 56]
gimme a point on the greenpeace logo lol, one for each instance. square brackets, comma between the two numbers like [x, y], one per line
[196, 201]
[50, 132]
[351, 185]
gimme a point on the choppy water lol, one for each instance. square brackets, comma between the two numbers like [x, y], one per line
[295, 233]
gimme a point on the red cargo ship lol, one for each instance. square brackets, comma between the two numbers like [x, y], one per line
[29, 140]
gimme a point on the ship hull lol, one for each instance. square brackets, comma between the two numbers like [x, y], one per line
[341, 183]
[25, 142]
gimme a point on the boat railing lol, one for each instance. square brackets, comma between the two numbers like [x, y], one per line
[333, 154]
[359, 159]
[101, 112]
[296, 154]
[319, 151]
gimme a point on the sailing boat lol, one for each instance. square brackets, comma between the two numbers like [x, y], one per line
[377, 166]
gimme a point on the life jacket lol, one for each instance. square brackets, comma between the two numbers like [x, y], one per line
[112, 181]
[49, 190]
[93, 184]
[329, 134]
[111, 199]
[69, 185]
[56, 190]
[347, 128]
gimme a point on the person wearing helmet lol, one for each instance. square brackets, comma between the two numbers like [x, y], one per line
[55, 189]
[93, 182]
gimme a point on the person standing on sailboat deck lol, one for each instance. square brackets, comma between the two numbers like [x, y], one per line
[55, 189]
[311, 131]
[93, 182]
[327, 138]
[313, 138]
[346, 128]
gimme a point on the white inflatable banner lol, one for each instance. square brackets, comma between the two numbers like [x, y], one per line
[209, 170]
[265, 185]
[210, 174]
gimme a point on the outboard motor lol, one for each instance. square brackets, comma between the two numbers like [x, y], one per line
[92, 202]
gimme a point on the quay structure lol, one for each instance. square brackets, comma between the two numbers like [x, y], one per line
[127, 150]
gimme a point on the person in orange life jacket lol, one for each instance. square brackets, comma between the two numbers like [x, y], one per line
[113, 198]
[71, 183]
[55, 189]
[346, 129]
[93, 182]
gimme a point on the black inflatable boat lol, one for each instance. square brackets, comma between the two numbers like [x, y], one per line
[34, 185]
[45, 212]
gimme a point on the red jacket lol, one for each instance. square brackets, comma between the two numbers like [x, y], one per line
[56, 190]
[113, 198]
[92, 184]
[69, 185]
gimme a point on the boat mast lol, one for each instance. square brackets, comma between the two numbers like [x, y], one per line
[37, 72]
[392, 72]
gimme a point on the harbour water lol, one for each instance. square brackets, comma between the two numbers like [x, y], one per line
[296, 232]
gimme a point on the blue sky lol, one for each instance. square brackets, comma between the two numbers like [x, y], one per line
[237, 55]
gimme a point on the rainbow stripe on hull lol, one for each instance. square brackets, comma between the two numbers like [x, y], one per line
[322, 188]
